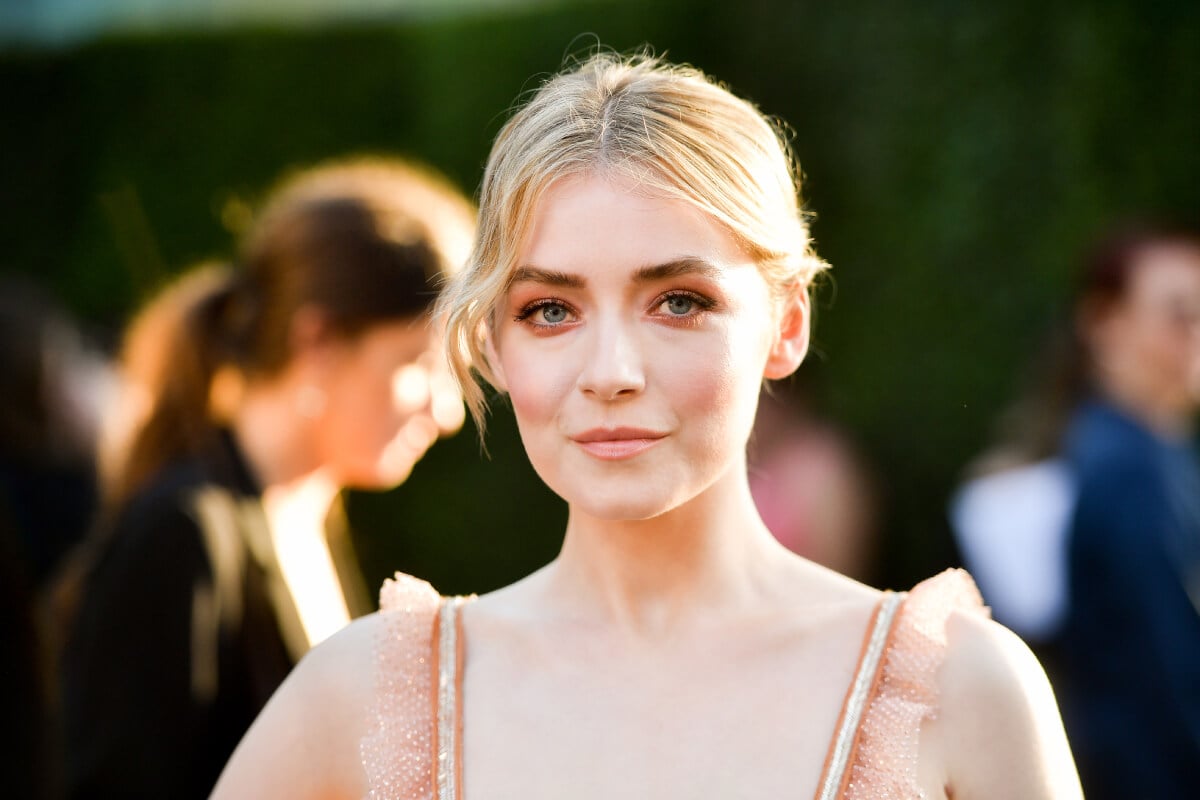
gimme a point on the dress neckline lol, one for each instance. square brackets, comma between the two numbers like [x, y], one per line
[448, 650]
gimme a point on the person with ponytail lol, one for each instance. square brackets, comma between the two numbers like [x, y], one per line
[254, 394]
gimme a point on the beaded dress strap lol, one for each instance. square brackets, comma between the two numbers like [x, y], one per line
[885, 750]
[398, 745]
[447, 646]
[841, 750]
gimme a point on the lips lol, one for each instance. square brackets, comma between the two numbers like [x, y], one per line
[616, 444]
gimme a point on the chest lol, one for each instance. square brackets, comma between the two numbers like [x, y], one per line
[701, 722]
[589, 741]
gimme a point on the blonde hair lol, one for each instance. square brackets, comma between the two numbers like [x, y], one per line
[667, 128]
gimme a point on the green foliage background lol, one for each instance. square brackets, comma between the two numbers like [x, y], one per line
[958, 155]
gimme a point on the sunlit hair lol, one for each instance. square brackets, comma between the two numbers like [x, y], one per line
[667, 129]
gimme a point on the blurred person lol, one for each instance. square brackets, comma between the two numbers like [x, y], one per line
[641, 267]
[811, 488]
[1012, 513]
[54, 386]
[253, 395]
[1131, 637]
[51, 383]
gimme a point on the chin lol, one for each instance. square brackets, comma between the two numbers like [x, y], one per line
[381, 476]
[615, 504]
[623, 512]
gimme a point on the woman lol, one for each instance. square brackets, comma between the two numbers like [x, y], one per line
[254, 396]
[640, 267]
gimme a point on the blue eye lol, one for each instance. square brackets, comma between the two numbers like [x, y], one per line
[679, 305]
[553, 313]
[546, 314]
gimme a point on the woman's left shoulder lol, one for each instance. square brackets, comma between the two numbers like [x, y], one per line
[996, 710]
[985, 667]
[983, 660]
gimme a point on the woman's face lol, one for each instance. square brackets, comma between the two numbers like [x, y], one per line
[387, 399]
[632, 342]
[1149, 343]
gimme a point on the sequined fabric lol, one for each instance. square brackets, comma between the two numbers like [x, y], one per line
[397, 749]
[884, 764]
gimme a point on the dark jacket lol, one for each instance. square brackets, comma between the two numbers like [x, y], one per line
[184, 630]
[1131, 642]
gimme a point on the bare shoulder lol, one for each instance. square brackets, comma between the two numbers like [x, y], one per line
[1002, 736]
[305, 743]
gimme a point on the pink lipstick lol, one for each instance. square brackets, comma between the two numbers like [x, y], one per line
[616, 444]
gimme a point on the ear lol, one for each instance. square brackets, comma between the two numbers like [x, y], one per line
[309, 337]
[791, 336]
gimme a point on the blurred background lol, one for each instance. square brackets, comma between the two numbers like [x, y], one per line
[958, 155]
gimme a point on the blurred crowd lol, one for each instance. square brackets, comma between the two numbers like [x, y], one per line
[171, 529]
[172, 536]
[1082, 523]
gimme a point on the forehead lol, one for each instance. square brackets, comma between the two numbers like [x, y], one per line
[1165, 271]
[588, 223]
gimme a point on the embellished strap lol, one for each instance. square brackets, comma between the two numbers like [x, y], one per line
[448, 655]
[396, 749]
[905, 693]
[843, 746]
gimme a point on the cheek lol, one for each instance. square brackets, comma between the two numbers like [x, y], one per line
[717, 387]
[700, 384]
[1162, 346]
[367, 415]
[537, 382]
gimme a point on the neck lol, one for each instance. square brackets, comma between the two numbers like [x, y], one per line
[300, 504]
[1165, 419]
[275, 441]
[297, 492]
[654, 575]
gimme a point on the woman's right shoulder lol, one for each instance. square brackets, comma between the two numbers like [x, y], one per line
[348, 662]
[316, 736]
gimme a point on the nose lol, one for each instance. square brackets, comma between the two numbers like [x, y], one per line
[613, 367]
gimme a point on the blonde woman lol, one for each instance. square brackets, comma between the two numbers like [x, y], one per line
[641, 266]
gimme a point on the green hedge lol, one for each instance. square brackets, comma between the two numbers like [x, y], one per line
[957, 155]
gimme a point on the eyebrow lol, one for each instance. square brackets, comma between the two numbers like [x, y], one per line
[688, 265]
[675, 268]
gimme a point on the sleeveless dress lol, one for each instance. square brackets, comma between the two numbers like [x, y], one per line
[412, 750]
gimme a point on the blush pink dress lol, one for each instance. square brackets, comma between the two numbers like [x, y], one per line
[413, 748]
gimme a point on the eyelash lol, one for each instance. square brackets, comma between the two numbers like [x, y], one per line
[702, 304]
[537, 305]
